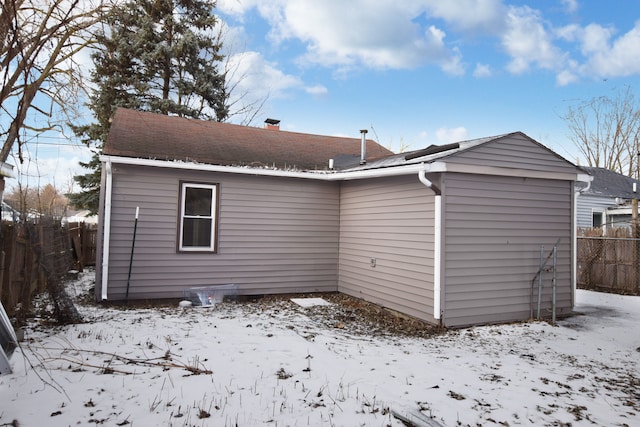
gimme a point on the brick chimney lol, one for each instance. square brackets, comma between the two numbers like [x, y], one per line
[272, 124]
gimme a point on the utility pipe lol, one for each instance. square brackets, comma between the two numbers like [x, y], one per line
[363, 147]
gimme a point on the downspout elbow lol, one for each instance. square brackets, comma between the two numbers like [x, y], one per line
[422, 177]
[584, 178]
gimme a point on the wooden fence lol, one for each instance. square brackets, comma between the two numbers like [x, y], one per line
[37, 257]
[610, 264]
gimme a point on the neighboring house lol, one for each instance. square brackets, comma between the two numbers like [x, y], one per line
[607, 201]
[9, 214]
[83, 215]
[448, 234]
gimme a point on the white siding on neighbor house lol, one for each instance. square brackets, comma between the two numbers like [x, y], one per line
[588, 204]
[493, 230]
[275, 235]
[515, 151]
[389, 220]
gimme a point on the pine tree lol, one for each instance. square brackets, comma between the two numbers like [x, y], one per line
[159, 56]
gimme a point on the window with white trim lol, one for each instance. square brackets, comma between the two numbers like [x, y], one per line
[198, 215]
[597, 219]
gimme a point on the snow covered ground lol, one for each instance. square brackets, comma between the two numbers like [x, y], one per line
[273, 365]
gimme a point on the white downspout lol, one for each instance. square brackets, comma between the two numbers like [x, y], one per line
[574, 241]
[107, 230]
[437, 243]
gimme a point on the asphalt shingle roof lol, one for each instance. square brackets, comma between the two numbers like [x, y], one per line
[611, 184]
[155, 136]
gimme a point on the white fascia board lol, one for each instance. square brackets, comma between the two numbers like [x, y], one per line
[434, 167]
[389, 171]
[513, 172]
[322, 176]
[6, 170]
[583, 177]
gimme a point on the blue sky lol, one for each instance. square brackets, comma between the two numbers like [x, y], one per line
[419, 72]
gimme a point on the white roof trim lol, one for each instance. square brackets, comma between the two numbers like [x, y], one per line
[433, 167]
[320, 175]
[514, 172]
[6, 170]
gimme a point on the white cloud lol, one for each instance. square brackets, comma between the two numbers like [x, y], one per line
[595, 39]
[388, 34]
[380, 35]
[453, 65]
[254, 79]
[236, 7]
[566, 77]
[482, 71]
[447, 135]
[470, 15]
[620, 58]
[316, 90]
[570, 6]
[569, 33]
[527, 42]
[603, 55]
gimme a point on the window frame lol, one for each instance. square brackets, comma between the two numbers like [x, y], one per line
[601, 214]
[215, 192]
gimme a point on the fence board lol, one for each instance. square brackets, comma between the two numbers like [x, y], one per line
[37, 256]
[609, 264]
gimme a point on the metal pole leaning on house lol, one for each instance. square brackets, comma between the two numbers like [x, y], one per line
[542, 263]
[553, 286]
[133, 245]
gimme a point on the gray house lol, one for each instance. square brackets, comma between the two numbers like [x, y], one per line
[448, 234]
[606, 201]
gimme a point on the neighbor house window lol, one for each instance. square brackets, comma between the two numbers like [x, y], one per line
[198, 206]
[597, 219]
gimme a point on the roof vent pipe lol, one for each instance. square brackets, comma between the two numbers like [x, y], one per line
[363, 147]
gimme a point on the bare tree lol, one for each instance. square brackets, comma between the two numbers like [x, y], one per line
[606, 131]
[242, 105]
[30, 202]
[41, 80]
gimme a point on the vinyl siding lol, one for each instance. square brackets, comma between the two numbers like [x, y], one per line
[517, 152]
[493, 230]
[587, 204]
[391, 221]
[275, 235]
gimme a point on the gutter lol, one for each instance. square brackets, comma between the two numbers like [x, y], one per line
[437, 244]
[107, 229]
[322, 176]
[433, 167]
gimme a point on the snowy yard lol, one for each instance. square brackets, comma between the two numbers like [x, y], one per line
[273, 364]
